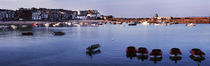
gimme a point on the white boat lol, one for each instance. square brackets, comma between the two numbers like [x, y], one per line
[56, 25]
[157, 24]
[132, 23]
[13, 27]
[145, 23]
[190, 24]
[47, 25]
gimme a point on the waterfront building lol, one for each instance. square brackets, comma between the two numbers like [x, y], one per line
[6, 15]
[44, 14]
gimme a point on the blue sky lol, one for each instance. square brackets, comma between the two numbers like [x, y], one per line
[121, 8]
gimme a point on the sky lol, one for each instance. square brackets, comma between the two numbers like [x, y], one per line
[121, 8]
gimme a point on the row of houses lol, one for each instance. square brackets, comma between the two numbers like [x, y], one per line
[44, 14]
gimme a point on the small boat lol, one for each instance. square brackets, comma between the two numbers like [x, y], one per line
[92, 47]
[145, 23]
[197, 51]
[190, 24]
[156, 52]
[131, 52]
[131, 49]
[13, 27]
[35, 24]
[132, 23]
[157, 24]
[59, 33]
[27, 33]
[118, 22]
[47, 25]
[142, 50]
[175, 51]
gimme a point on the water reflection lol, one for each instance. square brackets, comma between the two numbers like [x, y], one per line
[155, 59]
[197, 58]
[93, 52]
[175, 58]
[142, 57]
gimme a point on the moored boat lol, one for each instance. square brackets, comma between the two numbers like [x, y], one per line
[92, 47]
[156, 52]
[197, 51]
[59, 33]
[27, 33]
[175, 51]
[145, 23]
[131, 49]
[190, 24]
[132, 23]
[142, 50]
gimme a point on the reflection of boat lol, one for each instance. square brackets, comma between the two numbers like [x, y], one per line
[156, 52]
[142, 50]
[145, 23]
[197, 58]
[91, 53]
[92, 47]
[156, 59]
[59, 33]
[175, 51]
[190, 24]
[132, 23]
[27, 33]
[142, 57]
[175, 58]
[197, 51]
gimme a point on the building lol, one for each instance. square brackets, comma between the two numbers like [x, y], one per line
[6, 15]
[44, 14]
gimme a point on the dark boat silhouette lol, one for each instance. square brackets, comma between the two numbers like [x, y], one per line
[131, 49]
[27, 33]
[59, 33]
[92, 47]
[142, 50]
[197, 51]
[175, 51]
[131, 52]
[156, 52]
[132, 23]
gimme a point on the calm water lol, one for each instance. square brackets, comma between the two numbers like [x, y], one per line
[45, 49]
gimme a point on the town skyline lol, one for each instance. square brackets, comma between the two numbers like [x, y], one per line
[120, 8]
